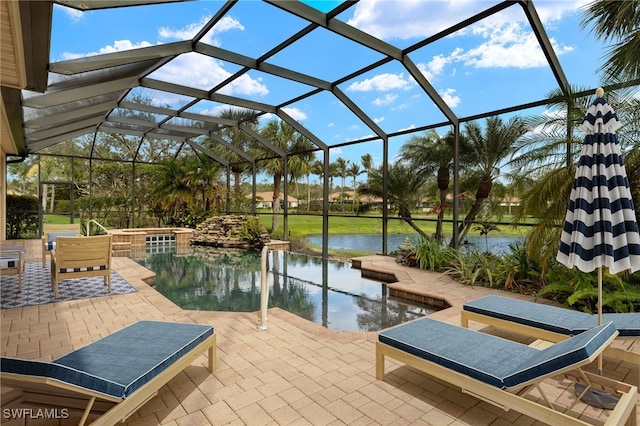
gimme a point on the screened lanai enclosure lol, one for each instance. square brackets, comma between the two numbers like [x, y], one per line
[308, 66]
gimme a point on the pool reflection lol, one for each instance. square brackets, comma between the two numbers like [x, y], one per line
[324, 291]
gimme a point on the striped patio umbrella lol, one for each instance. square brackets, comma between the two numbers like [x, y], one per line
[600, 228]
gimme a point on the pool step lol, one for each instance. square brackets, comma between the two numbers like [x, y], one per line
[121, 249]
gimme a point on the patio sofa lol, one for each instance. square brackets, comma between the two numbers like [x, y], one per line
[112, 377]
[502, 372]
[552, 323]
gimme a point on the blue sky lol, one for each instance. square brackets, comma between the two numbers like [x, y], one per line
[494, 64]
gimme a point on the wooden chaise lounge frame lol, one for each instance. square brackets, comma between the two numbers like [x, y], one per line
[625, 412]
[622, 351]
[39, 391]
[81, 257]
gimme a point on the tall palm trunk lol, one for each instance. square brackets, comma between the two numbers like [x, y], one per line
[45, 193]
[405, 214]
[52, 199]
[308, 193]
[275, 207]
[443, 186]
[482, 193]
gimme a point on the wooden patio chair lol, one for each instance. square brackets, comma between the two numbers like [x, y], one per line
[80, 257]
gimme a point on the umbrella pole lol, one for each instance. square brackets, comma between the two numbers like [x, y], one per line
[600, 313]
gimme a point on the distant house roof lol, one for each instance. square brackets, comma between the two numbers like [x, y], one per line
[267, 196]
[348, 195]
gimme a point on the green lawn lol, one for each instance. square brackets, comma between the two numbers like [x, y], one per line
[312, 225]
[58, 219]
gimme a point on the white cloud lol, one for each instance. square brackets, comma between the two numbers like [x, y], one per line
[411, 127]
[450, 98]
[295, 113]
[385, 100]
[437, 64]
[507, 46]
[381, 83]
[225, 24]
[74, 14]
[378, 119]
[192, 69]
[407, 19]
[117, 46]
[202, 72]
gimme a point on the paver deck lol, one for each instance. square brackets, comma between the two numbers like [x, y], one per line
[294, 373]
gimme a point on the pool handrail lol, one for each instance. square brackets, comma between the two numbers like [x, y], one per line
[264, 288]
[106, 231]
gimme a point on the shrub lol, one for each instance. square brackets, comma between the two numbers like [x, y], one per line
[22, 216]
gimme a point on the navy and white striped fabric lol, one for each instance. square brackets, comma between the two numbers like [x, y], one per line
[6, 263]
[88, 268]
[600, 228]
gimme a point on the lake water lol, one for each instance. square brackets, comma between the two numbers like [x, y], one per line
[373, 242]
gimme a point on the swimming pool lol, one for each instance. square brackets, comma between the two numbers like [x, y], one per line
[326, 292]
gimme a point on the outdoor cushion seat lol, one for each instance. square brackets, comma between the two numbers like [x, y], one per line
[81, 257]
[501, 371]
[550, 323]
[12, 262]
[49, 243]
[125, 368]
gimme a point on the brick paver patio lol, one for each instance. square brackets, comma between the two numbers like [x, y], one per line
[294, 373]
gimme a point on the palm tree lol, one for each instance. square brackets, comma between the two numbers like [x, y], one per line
[239, 139]
[617, 22]
[317, 168]
[431, 152]
[403, 184]
[354, 171]
[489, 148]
[367, 163]
[173, 189]
[284, 136]
[341, 166]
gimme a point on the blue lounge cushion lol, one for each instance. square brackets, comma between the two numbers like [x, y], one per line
[493, 360]
[120, 363]
[50, 244]
[627, 324]
[9, 258]
[551, 318]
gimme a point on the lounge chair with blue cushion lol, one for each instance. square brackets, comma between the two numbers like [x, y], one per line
[113, 376]
[49, 243]
[501, 371]
[550, 323]
[12, 262]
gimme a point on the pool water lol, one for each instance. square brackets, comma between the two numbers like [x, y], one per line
[326, 292]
